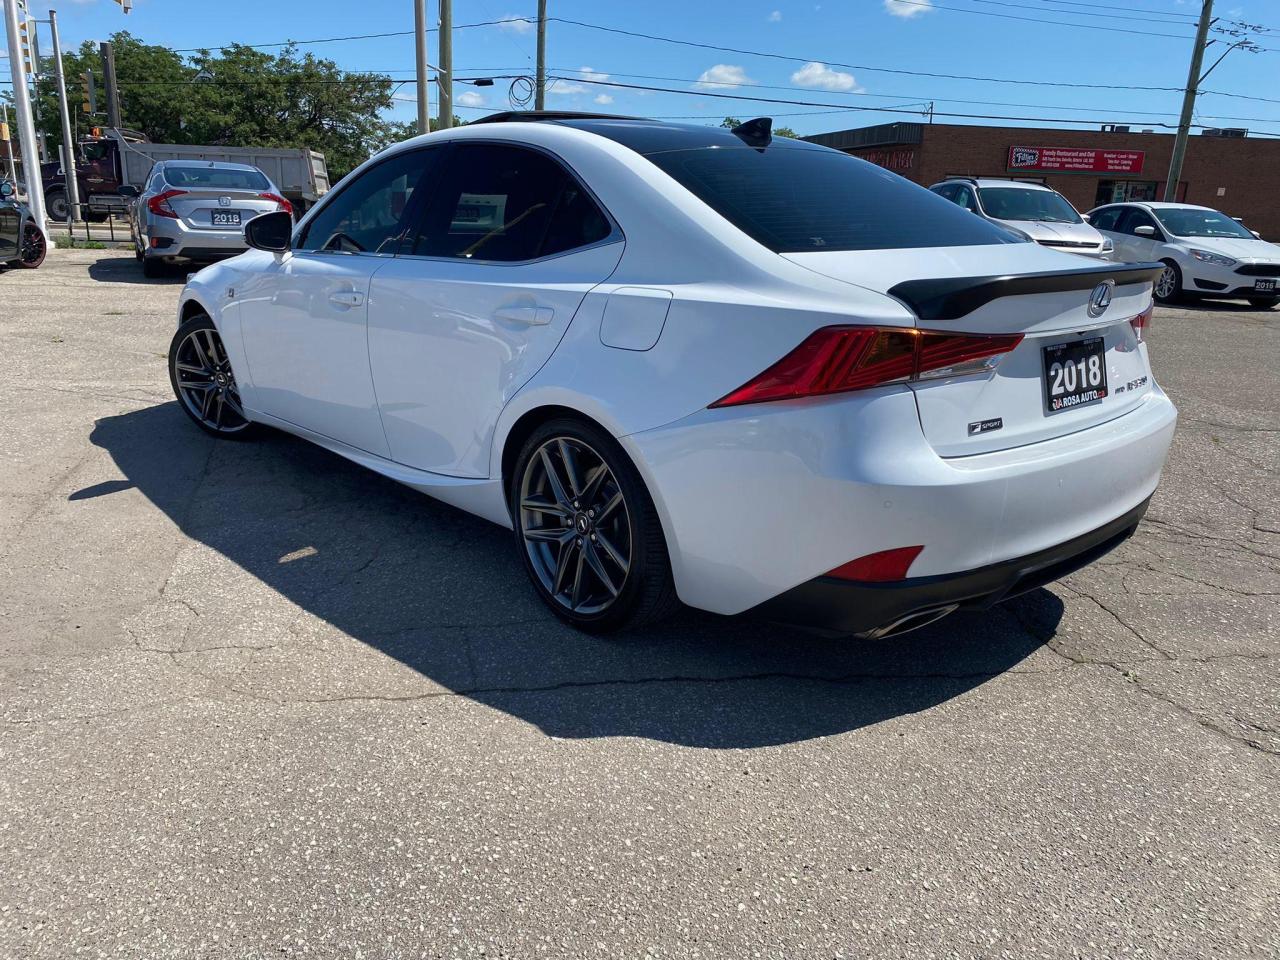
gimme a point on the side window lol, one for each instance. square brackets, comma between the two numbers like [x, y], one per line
[506, 203]
[369, 215]
[947, 191]
[1106, 219]
[964, 197]
[1134, 218]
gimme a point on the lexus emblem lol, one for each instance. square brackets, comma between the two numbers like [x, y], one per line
[224, 201]
[1100, 299]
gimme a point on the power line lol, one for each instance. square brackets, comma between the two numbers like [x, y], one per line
[812, 103]
[362, 36]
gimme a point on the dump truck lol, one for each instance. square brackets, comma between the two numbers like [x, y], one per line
[109, 158]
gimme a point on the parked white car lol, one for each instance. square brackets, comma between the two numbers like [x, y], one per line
[1205, 252]
[682, 361]
[1044, 215]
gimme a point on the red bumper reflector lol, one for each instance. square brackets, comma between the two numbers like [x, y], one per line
[883, 567]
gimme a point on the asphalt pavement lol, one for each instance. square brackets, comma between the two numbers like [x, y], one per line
[257, 702]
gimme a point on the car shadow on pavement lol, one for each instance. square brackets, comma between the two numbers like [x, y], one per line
[129, 270]
[445, 594]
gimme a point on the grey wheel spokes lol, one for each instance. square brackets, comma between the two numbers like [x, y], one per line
[575, 525]
[32, 245]
[1165, 285]
[206, 383]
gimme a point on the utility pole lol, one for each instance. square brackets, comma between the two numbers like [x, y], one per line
[424, 81]
[22, 111]
[68, 144]
[8, 144]
[540, 88]
[1188, 104]
[445, 73]
[109, 82]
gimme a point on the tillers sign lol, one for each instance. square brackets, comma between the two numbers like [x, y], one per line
[1075, 160]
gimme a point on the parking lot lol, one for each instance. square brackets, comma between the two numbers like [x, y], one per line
[258, 702]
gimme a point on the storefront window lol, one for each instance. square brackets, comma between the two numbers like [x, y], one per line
[1127, 191]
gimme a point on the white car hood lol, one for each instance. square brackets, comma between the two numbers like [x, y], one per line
[1236, 248]
[881, 269]
[1069, 232]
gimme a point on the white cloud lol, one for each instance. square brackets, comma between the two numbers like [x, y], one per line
[471, 98]
[604, 99]
[722, 75]
[588, 74]
[564, 88]
[907, 9]
[775, 17]
[515, 24]
[822, 77]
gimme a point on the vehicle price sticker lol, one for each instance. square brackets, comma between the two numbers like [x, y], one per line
[1075, 373]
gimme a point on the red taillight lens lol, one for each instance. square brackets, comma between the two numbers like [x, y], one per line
[1142, 322]
[839, 359]
[159, 204]
[284, 206]
[882, 567]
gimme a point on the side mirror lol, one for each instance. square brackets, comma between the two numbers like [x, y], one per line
[1145, 231]
[6, 188]
[1085, 218]
[270, 231]
[128, 190]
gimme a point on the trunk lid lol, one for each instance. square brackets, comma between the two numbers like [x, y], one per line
[197, 207]
[1021, 288]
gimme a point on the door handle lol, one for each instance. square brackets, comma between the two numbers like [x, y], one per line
[529, 316]
[346, 298]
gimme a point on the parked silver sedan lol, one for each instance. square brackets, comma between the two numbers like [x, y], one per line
[195, 211]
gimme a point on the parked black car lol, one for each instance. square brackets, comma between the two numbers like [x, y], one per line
[22, 244]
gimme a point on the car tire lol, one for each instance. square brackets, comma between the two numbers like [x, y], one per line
[1171, 282]
[153, 268]
[34, 247]
[204, 383]
[55, 203]
[593, 545]
[1263, 303]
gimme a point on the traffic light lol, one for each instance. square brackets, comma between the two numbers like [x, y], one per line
[89, 101]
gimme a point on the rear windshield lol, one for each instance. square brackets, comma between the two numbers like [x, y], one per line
[794, 199]
[215, 178]
[1019, 203]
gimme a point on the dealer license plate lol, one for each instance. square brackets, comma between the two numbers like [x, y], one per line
[226, 218]
[1074, 373]
[1264, 286]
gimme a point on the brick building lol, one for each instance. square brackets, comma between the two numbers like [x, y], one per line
[1239, 175]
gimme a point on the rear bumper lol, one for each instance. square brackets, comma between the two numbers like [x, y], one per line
[881, 609]
[758, 500]
[174, 240]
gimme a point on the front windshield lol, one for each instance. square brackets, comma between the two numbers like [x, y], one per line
[1019, 203]
[1200, 223]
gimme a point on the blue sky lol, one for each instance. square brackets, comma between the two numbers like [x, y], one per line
[1115, 42]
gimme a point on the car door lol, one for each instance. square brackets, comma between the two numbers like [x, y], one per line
[10, 224]
[1137, 248]
[304, 316]
[509, 243]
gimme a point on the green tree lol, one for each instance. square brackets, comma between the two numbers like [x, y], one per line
[237, 96]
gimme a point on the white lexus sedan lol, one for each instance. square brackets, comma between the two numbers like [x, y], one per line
[693, 364]
[1204, 252]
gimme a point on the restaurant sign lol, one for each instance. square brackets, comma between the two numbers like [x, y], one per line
[1075, 160]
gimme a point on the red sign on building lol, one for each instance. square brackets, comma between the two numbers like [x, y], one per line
[1075, 160]
[891, 159]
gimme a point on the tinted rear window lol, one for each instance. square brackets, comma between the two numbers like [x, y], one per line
[794, 199]
[215, 178]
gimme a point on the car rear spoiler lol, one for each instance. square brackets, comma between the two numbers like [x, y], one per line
[950, 298]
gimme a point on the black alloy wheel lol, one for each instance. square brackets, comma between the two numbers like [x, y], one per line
[34, 247]
[203, 381]
[590, 536]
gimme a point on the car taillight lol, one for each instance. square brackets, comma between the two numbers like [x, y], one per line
[282, 205]
[1142, 322]
[159, 204]
[839, 359]
[883, 567]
